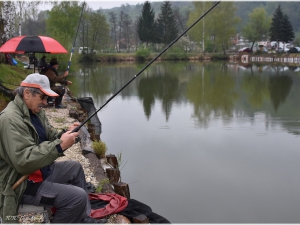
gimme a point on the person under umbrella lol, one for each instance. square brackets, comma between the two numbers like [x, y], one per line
[54, 78]
[31, 45]
[43, 64]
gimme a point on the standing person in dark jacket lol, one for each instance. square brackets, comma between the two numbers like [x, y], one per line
[54, 78]
[43, 65]
[29, 146]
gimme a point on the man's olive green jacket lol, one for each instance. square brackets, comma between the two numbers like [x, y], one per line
[21, 154]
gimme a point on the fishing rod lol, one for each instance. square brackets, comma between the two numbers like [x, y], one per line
[24, 177]
[155, 58]
[69, 63]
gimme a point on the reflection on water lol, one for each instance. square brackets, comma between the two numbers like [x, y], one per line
[204, 142]
[213, 89]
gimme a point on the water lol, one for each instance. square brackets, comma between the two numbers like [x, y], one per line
[203, 142]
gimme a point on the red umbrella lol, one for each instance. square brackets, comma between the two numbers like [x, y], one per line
[32, 44]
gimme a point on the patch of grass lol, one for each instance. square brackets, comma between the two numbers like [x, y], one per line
[120, 161]
[99, 187]
[12, 75]
[59, 120]
[100, 148]
[3, 101]
[174, 53]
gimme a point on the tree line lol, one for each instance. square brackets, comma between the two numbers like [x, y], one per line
[214, 33]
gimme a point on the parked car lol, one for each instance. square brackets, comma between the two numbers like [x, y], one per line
[280, 49]
[263, 49]
[293, 50]
[245, 49]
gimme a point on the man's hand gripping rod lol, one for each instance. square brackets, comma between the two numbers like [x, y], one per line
[135, 76]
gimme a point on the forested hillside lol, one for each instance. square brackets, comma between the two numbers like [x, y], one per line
[292, 9]
[135, 10]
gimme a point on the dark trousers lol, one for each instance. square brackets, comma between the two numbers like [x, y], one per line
[57, 100]
[65, 189]
[60, 90]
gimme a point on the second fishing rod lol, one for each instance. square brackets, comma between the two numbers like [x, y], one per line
[154, 59]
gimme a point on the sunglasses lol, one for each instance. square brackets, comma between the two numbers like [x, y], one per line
[43, 96]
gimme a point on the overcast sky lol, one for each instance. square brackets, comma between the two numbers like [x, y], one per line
[96, 4]
[110, 4]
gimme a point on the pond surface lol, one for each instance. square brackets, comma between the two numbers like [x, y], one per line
[203, 142]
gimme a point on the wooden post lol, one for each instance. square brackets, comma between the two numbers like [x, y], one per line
[91, 128]
[112, 160]
[141, 219]
[122, 189]
[95, 137]
[113, 175]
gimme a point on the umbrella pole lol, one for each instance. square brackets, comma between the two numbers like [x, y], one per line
[33, 62]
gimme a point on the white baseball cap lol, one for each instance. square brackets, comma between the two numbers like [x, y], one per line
[40, 81]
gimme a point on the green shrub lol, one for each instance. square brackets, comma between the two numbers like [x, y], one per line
[175, 53]
[100, 148]
[142, 54]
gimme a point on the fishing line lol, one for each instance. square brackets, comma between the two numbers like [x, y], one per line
[135, 76]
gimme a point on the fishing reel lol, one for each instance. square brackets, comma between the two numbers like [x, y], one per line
[58, 136]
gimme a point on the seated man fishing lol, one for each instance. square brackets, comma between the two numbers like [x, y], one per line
[29, 146]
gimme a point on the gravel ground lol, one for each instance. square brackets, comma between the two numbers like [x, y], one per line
[59, 119]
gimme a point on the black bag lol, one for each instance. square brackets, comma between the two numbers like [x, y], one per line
[133, 209]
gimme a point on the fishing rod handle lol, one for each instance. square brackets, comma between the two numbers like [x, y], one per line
[24, 177]
[58, 136]
[77, 139]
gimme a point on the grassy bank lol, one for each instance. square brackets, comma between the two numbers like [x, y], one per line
[145, 55]
[10, 77]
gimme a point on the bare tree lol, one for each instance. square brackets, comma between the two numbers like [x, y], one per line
[8, 21]
[121, 24]
[25, 10]
[113, 22]
[127, 29]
